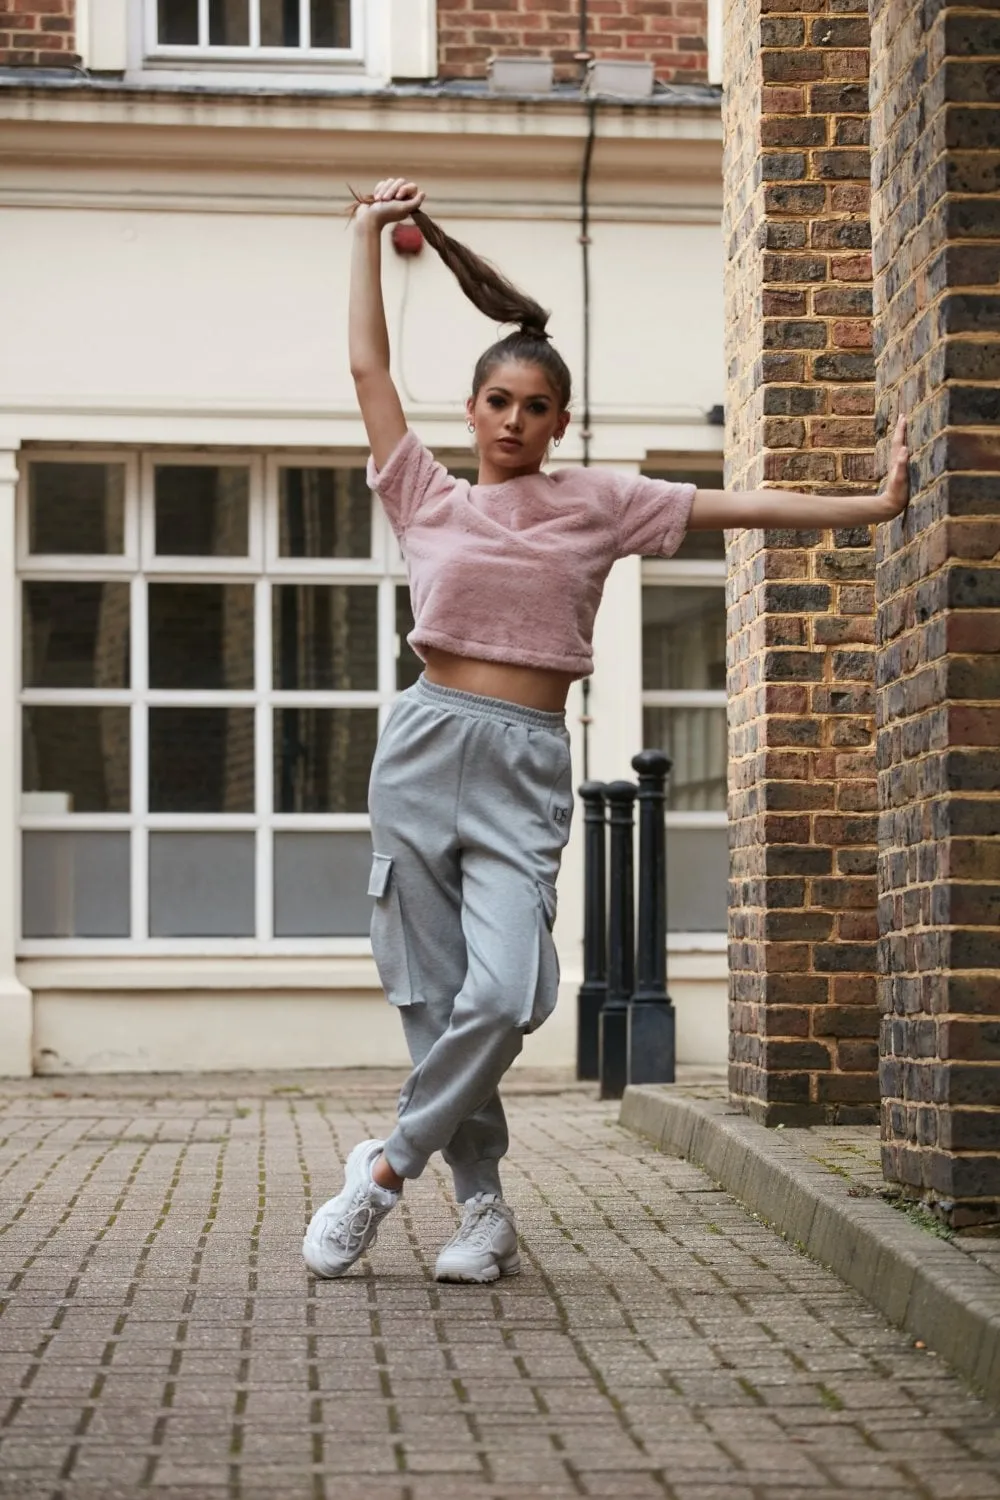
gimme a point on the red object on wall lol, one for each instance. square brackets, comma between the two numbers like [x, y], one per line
[407, 239]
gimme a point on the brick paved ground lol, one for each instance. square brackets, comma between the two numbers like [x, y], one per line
[159, 1335]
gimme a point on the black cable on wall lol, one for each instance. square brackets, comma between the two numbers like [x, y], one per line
[588, 154]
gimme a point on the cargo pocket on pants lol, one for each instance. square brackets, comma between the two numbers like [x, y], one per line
[547, 980]
[387, 933]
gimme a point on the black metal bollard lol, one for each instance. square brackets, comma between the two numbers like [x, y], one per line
[651, 1016]
[594, 989]
[621, 943]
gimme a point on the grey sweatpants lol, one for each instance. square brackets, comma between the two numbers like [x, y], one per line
[471, 800]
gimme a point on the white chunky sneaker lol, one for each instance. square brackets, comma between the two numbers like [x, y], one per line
[344, 1228]
[484, 1246]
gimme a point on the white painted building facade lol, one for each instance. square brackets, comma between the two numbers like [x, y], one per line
[205, 609]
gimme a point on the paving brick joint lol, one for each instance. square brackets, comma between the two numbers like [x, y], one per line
[159, 1335]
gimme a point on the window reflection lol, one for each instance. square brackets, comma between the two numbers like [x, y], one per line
[75, 634]
[325, 637]
[202, 511]
[323, 758]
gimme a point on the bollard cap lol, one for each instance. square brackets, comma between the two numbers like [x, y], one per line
[621, 791]
[592, 791]
[652, 763]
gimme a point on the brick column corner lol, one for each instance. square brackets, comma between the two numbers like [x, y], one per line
[935, 175]
[800, 403]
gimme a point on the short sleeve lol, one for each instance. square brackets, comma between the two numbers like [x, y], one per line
[410, 476]
[653, 516]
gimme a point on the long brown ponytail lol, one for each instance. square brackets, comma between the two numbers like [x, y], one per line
[502, 302]
[482, 283]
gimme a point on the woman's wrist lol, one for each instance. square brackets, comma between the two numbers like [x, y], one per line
[365, 221]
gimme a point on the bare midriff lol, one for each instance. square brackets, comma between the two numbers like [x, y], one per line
[531, 687]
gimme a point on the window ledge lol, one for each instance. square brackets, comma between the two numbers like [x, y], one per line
[343, 972]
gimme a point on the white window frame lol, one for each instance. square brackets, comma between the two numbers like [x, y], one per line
[389, 39]
[263, 568]
[693, 573]
[352, 57]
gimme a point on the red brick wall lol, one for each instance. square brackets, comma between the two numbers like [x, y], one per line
[669, 33]
[38, 33]
[799, 404]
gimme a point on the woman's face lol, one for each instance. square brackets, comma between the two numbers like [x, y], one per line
[516, 415]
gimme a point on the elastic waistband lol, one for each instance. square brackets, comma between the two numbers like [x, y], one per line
[475, 706]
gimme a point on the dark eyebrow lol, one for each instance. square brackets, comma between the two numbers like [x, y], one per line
[501, 390]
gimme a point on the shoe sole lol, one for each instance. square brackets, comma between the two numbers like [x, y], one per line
[509, 1267]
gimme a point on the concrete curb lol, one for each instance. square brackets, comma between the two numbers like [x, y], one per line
[923, 1284]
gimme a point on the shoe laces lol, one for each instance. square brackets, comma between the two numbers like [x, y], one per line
[481, 1213]
[351, 1229]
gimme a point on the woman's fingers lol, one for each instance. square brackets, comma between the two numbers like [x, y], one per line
[394, 187]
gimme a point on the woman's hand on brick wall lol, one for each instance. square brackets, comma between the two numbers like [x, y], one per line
[896, 495]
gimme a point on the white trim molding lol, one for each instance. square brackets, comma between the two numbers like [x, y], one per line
[16, 1017]
[390, 40]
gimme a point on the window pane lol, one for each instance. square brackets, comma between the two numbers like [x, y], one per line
[330, 22]
[75, 635]
[408, 663]
[702, 546]
[78, 757]
[177, 22]
[695, 740]
[325, 636]
[683, 638]
[279, 23]
[201, 760]
[201, 885]
[323, 758]
[697, 546]
[77, 508]
[228, 23]
[201, 635]
[324, 513]
[202, 511]
[320, 884]
[75, 885]
[697, 872]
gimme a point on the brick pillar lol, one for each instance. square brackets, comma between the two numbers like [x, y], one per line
[935, 176]
[803, 1015]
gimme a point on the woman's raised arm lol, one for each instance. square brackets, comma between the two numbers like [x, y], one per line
[368, 337]
[718, 510]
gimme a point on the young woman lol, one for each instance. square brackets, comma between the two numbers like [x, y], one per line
[471, 793]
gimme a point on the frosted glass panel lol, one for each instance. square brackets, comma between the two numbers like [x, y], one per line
[320, 884]
[201, 885]
[697, 872]
[75, 885]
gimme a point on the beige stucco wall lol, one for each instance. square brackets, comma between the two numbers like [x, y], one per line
[201, 263]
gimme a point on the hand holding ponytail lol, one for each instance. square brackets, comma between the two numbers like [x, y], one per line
[483, 284]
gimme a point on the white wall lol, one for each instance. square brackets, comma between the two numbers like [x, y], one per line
[204, 301]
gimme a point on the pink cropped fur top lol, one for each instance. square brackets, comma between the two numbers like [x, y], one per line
[514, 572]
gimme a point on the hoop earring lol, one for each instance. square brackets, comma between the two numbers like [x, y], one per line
[471, 426]
[556, 442]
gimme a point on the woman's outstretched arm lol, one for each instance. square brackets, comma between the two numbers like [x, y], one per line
[718, 510]
[368, 337]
